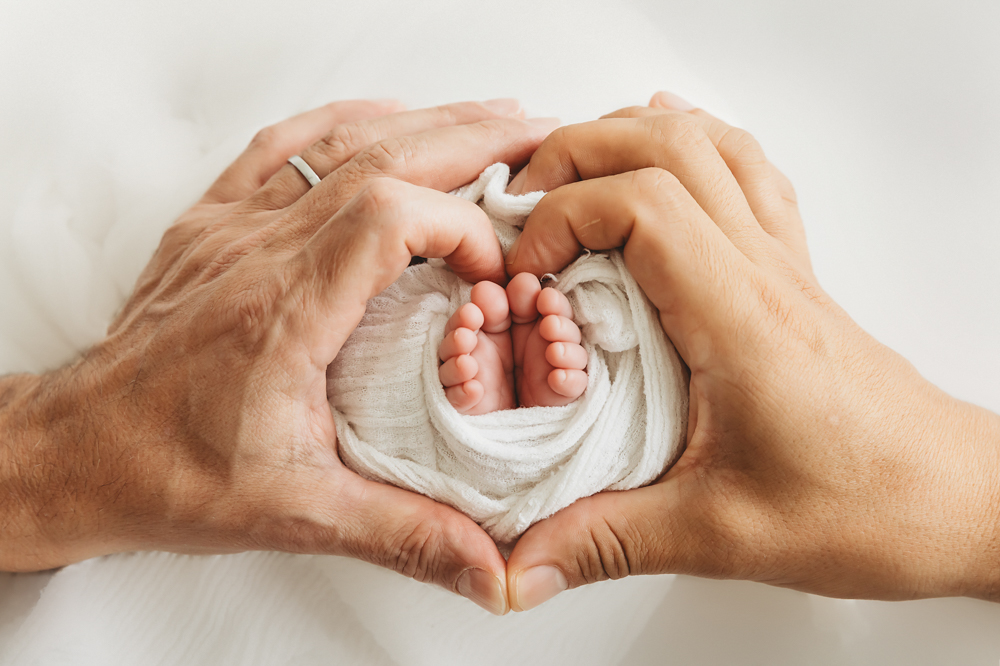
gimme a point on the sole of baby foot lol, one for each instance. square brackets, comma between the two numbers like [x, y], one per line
[549, 361]
[477, 369]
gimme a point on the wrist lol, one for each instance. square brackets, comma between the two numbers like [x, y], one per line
[984, 578]
[962, 498]
[52, 445]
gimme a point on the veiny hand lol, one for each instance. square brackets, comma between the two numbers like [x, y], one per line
[201, 424]
[816, 459]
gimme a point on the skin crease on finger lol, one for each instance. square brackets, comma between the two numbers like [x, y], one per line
[817, 459]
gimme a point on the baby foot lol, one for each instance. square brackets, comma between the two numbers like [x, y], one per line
[549, 361]
[478, 360]
[485, 358]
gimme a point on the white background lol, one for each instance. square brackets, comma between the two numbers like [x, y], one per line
[886, 117]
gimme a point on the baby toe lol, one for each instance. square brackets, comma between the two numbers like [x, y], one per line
[468, 316]
[458, 342]
[491, 299]
[458, 370]
[568, 383]
[522, 293]
[566, 355]
[554, 302]
[556, 328]
[464, 397]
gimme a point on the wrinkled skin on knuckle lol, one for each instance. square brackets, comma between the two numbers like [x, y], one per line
[656, 185]
[422, 551]
[447, 114]
[490, 129]
[654, 198]
[785, 187]
[656, 204]
[554, 158]
[740, 147]
[386, 157]
[607, 549]
[343, 142]
[379, 200]
[381, 206]
[676, 131]
[379, 227]
[180, 235]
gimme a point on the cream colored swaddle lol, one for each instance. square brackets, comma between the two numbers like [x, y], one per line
[512, 468]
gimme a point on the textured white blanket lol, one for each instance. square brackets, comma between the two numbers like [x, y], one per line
[512, 468]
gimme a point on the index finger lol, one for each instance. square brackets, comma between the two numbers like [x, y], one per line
[675, 142]
[369, 243]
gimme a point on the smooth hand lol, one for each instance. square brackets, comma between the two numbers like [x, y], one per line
[816, 458]
[201, 424]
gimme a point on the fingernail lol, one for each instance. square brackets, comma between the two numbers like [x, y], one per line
[516, 186]
[671, 101]
[547, 124]
[505, 106]
[534, 586]
[483, 589]
[512, 252]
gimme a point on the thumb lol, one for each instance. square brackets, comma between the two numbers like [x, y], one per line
[415, 536]
[606, 536]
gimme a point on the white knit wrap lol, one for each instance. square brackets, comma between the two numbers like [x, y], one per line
[512, 468]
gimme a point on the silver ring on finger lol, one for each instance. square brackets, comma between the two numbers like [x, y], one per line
[306, 170]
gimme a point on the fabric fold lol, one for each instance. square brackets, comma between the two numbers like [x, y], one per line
[511, 468]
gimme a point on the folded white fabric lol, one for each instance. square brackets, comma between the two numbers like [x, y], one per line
[512, 468]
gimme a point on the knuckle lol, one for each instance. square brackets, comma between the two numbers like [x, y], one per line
[611, 551]
[489, 131]
[676, 129]
[180, 235]
[343, 142]
[654, 191]
[379, 197]
[448, 114]
[559, 137]
[419, 551]
[386, 156]
[785, 186]
[267, 138]
[739, 146]
[653, 182]
[554, 155]
[252, 308]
